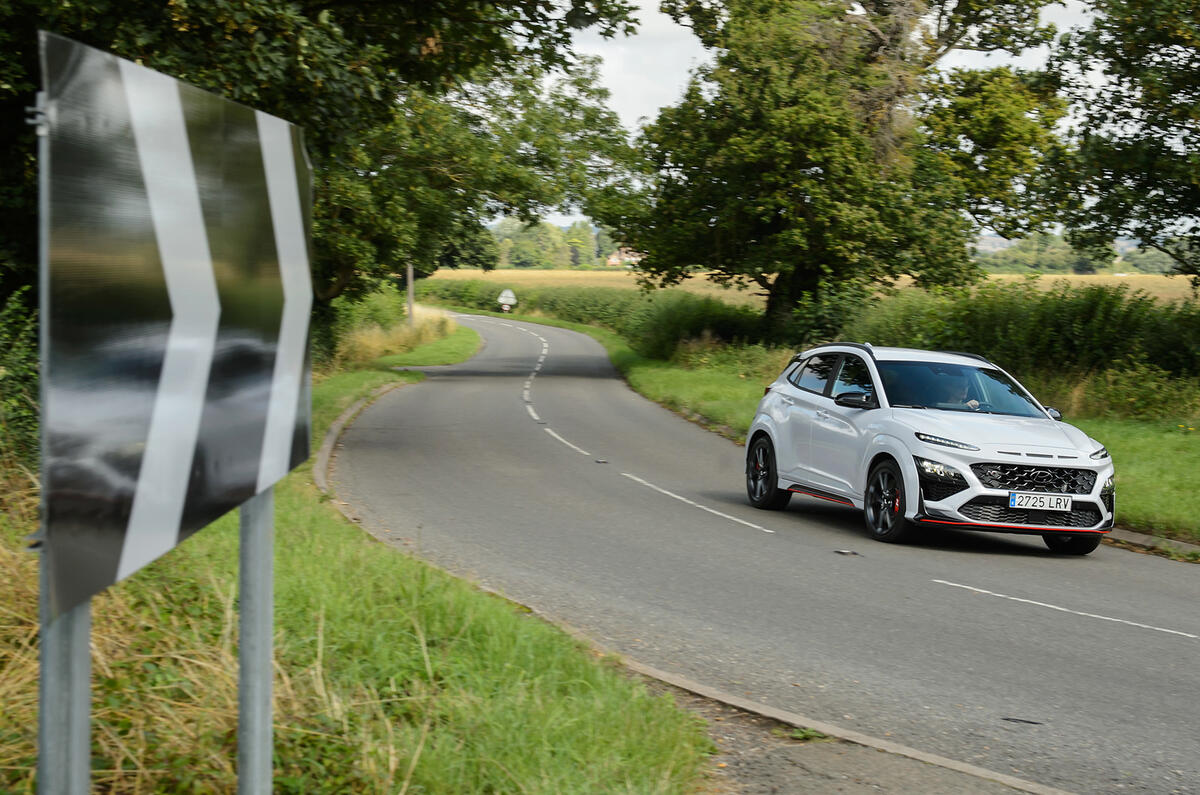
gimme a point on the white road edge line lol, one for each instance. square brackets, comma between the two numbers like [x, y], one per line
[1067, 610]
[568, 444]
[694, 504]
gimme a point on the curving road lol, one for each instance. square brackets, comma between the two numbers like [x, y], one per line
[536, 471]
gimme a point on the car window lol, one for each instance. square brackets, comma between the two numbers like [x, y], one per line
[853, 377]
[954, 387]
[815, 373]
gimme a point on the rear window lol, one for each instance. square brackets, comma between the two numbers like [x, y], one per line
[815, 373]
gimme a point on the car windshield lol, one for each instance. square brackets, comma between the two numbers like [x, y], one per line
[954, 387]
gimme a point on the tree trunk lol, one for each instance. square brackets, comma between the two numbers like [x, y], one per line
[784, 295]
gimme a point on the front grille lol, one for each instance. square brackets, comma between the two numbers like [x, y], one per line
[1107, 498]
[995, 510]
[1022, 477]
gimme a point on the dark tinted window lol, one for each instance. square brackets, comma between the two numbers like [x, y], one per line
[951, 387]
[816, 373]
[854, 377]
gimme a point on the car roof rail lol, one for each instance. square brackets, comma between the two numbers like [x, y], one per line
[970, 356]
[862, 346]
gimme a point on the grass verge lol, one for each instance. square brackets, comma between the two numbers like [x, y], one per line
[391, 676]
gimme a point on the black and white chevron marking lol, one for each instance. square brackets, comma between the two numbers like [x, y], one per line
[176, 302]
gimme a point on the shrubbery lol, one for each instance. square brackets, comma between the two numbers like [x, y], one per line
[653, 323]
[1078, 329]
[18, 382]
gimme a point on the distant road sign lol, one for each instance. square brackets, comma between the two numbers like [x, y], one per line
[507, 299]
[176, 300]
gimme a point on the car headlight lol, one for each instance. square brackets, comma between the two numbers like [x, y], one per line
[937, 469]
[1102, 453]
[931, 439]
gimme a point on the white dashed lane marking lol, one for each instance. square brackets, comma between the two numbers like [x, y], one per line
[528, 398]
[568, 444]
[1067, 610]
[694, 504]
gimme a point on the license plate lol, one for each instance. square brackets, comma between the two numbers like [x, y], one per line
[1039, 502]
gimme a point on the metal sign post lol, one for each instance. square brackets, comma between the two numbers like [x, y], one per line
[64, 683]
[65, 699]
[256, 619]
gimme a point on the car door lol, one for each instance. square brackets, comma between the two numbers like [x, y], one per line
[837, 439]
[800, 395]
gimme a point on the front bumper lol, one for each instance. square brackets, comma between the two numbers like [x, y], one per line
[980, 500]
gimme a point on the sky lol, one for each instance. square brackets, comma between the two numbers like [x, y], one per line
[650, 69]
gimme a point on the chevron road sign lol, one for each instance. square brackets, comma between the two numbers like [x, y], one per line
[176, 298]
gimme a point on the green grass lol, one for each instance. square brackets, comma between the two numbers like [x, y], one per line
[391, 675]
[1156, 465]
[459, 346]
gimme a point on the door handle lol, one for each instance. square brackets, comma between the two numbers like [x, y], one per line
[822, 414]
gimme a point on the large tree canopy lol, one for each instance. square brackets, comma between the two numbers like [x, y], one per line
[1135, 79]
[422, 185]
[822, 148]
[336, 69]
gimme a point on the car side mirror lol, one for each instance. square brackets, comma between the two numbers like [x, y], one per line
[1054, 413]
[855, 400]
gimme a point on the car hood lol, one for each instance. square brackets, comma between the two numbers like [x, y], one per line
[996, 431]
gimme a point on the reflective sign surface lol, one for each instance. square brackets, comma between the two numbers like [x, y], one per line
[176, 303]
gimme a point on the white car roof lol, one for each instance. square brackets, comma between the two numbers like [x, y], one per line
[888, 354]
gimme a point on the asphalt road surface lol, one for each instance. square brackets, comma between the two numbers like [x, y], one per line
[536, 471]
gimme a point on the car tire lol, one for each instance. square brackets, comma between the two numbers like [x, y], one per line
[1064, 544]
[883, 503]
[762, 477]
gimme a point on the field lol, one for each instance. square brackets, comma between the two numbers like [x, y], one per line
[1166, 288]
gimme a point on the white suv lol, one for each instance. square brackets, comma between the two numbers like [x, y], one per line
[927, 438]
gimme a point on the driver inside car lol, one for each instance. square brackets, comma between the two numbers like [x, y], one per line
[955, 391]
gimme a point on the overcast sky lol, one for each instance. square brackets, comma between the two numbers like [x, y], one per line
[649, 70]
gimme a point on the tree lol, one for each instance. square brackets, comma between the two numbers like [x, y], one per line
[1136, 171]
[582, 244]
[1043, 252]
[802, 159]
[605, 243]
[797, 165]
[333, 68]
[443, 164]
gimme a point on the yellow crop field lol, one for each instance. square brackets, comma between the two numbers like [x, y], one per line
[516, 279]
[1166, 288]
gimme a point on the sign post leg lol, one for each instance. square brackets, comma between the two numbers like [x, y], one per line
[65, 698]
[256, 622]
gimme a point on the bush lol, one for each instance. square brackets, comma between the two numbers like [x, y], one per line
[1078, 329]
[653, 323]
[19, 381]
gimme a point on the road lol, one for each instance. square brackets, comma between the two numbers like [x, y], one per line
[536, 471]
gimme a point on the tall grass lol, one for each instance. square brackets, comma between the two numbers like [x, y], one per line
[378, 325]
